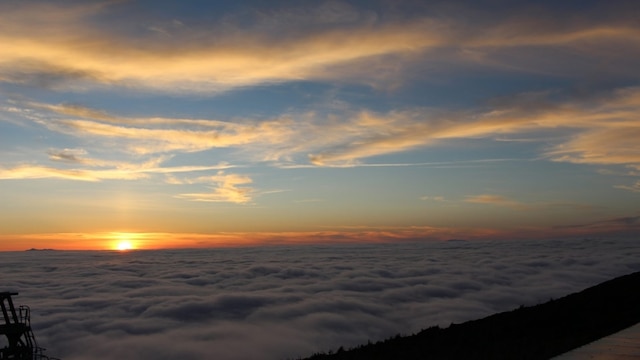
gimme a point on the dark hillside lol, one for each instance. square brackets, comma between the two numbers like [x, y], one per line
[536, 332]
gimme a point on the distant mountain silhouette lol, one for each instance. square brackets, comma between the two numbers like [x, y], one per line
[535, 332]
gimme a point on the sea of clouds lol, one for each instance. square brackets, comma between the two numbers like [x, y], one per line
[287, 301]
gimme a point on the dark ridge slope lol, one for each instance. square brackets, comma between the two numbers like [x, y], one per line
[536, 332]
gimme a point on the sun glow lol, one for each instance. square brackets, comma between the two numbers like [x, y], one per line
[124, 245]
[123, 241]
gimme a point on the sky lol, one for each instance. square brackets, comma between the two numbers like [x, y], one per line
[164, 124]
[286, 302]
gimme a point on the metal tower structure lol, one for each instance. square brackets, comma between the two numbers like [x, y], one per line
[20, 343]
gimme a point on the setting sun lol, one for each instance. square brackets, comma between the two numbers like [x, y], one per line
[123, 241]
[124, 245]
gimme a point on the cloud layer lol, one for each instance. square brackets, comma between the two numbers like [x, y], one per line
[596, 130]
[72, 51]
[279, 302]
[70, 47]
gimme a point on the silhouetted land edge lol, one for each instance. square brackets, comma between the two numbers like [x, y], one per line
[535, 332]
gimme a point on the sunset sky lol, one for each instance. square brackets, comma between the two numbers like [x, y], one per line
[202, 123]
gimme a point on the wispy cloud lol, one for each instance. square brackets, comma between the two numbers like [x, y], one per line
[92, 169]
[224, 188]
[598, 130]
[194, 59]
[68, 48]
[496, 200]
[68, 155]
[44, 172]
[634, 187]
[624, 226]
[433, 198]
[499, 200]
[145, 136]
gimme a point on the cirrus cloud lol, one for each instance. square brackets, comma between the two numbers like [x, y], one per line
[226, 188]
[331, 41]
[596, 130]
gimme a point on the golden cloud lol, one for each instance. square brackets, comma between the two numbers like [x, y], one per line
[65, 45]
[227, 188]
[600, 130]
[44, 172]
[107, 170]
[495, 200]
[67, 49]
[596, 130]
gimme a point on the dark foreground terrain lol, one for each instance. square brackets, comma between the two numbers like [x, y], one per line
[536, 332]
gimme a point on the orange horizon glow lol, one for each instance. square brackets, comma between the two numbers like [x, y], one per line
[131, 240]
[122, 241]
